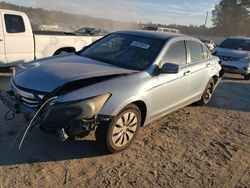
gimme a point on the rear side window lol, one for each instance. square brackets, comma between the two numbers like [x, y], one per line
[176, 54]
[14, 23]
[196, 51]
[205, 52]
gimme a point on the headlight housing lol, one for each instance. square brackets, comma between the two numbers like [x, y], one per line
[66, 112]
[245, 60]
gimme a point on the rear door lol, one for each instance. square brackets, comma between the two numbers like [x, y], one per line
[18, 37]
[199, 63]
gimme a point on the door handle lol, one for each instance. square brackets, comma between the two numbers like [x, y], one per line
[1, 40]
[208, 64]
[187, 73]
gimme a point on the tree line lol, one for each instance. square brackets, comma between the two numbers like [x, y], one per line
[230, 18]
[66, 21]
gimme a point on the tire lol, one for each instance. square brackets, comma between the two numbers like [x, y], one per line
[63, 52]
[247, 77]
[120, 132]
[208, 93]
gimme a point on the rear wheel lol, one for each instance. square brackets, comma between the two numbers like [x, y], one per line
[247, 77]
[121, 131]
[208, 93]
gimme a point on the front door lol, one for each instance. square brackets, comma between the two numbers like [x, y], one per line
[171, 89]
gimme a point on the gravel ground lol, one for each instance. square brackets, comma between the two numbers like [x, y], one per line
[193, 147]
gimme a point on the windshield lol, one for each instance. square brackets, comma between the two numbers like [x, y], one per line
[127, 51]
[236, 44]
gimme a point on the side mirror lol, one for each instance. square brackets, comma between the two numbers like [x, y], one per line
[170, 68]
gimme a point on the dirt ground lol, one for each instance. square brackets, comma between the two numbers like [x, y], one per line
[193, 147]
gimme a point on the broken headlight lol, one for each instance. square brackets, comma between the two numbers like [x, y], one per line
[83, 109]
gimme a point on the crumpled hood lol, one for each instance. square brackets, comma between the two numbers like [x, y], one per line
[232, 53]
[48, 74]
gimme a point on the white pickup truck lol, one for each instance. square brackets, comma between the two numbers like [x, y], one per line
[19, 44]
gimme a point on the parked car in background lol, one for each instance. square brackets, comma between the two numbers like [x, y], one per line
[162, 29]
[89, 31]
[19, 44]
[114, 86]
[234, 53]
[209, 43]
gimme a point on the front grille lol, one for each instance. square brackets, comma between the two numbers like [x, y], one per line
[30, 102]
[228, 58]
[229, 67]
[26, 98]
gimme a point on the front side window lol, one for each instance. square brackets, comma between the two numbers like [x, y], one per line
[14, 23]
[176, 54]
[127, 51]
[196, 51]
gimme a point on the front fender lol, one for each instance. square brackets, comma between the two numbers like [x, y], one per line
[124, 90]
[114, 107]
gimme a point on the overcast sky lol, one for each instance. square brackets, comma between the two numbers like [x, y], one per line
[161, 11]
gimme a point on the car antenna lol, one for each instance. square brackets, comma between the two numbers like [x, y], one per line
[32, 121]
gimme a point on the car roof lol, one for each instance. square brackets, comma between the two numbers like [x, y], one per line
[154, 34]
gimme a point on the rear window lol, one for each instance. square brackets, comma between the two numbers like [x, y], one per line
[196, 51]
[14, 23]
[236, 44]
[206, 52]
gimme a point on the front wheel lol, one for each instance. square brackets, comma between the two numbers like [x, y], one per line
[121, 131]
[208, 93]
[247, 77]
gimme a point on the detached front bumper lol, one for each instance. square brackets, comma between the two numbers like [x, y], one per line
[47, 119]
[11, 102]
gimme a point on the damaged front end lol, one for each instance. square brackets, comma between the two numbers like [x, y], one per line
[71, 119]
[63, 119]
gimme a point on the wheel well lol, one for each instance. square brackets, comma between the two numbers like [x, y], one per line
[66, 49]
[215, 79]
[142, 106]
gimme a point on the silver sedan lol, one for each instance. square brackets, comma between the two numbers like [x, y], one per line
[115, 86]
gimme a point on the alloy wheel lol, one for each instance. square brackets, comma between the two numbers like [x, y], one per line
[124, 129]
[209, 92]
